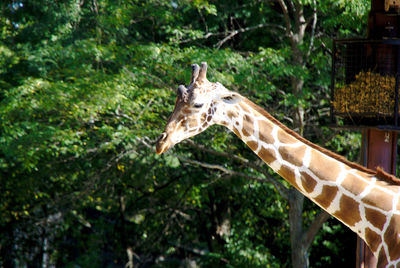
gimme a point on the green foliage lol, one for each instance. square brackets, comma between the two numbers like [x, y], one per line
[86, 87]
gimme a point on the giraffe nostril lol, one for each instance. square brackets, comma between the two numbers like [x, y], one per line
[162, 137]
[161, 143]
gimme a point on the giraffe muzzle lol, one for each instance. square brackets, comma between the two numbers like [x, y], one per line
[161, 145]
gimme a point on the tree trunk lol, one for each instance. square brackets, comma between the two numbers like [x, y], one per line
[296, 24]
[298, 120]
[299, 253]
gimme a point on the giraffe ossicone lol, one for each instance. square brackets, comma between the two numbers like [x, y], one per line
[367, 201]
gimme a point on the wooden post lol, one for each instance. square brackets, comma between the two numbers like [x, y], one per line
[379, 149]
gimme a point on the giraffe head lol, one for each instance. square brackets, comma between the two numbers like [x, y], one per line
[197, 107]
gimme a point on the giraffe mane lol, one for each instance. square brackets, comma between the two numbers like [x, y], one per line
[378, 173]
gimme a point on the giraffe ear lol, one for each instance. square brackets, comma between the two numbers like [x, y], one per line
[230, 97]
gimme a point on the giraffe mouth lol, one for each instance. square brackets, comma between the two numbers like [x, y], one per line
[161, 143]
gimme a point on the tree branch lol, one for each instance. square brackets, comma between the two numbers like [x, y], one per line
[286, 18]
[231, 34]
[283, 191]
[200, 252]
[206, 36]
[221, 168]
[314, 227]
[313, 26]
[241, 30]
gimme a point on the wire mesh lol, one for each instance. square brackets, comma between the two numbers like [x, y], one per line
[364, 86]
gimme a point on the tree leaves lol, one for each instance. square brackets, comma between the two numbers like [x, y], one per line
[86, 88]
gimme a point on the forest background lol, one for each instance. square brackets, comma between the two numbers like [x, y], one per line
[86, 88]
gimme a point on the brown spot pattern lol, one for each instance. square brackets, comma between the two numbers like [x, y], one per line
[349, 210]
[375, 217]
[245, 109]
[288, 174]
[236, 132]
[353, 184]
[187, 111]
[385, 201]
[392, 239]
[265, 129]
[373, 239]
[231, 114]
[246, 133]
[192, 123]
[268, 155]
[308, 182]
[248, 119]
[322, 163]
[382, 258]
[285, 138]
[328, 193]
[248, 126]
[252, 144]
[293, 155]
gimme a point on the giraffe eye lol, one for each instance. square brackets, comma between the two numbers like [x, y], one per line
[198, 105]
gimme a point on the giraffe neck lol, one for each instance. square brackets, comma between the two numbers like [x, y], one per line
[350, 193]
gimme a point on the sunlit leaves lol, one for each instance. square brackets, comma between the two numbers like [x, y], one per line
[88, 86]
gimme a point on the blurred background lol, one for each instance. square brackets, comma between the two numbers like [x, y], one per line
[86, 87]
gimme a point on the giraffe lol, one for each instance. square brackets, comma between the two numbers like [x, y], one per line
[365, 200]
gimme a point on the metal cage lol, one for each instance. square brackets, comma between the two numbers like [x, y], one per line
[365, 83]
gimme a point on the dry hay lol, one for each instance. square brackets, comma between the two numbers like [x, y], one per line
[370, 93]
